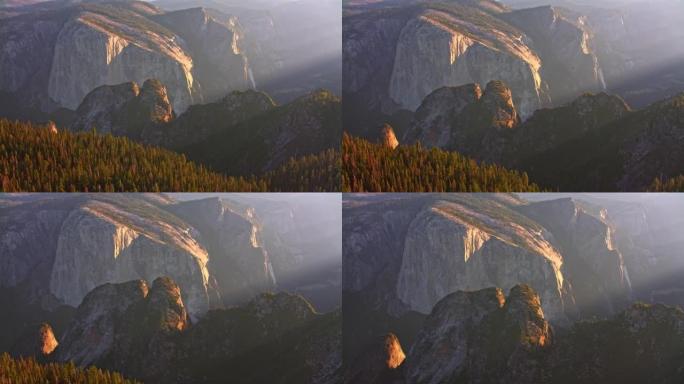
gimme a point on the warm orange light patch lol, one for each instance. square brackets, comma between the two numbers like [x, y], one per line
[395, 355]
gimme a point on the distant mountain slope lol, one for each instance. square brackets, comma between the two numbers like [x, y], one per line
[624, 155]
[244, 133]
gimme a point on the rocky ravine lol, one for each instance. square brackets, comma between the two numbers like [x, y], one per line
[53, 56]
[469, 243]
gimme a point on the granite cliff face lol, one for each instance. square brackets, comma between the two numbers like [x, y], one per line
[240, 264]
[437, 49]
[490, 252]
[80, 242]
[466, 243]
[117, 246]
[600, 281]
[565, 43]
[72, 50]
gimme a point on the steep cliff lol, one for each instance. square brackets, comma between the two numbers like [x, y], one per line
[472, 243]
[232, 235]
[216, 47]
[565, 43]
[454, 45]
[600, 281]
[72, 50]
[118, 238]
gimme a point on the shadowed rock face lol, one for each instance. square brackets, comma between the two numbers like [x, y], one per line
[488, 338]
[432, 123]
[480, 335]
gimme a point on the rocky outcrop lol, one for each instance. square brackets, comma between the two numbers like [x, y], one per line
[92, 333]
[467, 120]
[379, 363]
[497, 100]
[126, 110]
[36, 341]
[440, 47]
[433, 122]
[126, 327]
[387, 138]
[481, 335]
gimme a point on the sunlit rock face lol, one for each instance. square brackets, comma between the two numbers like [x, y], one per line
[461, 249]
[36, 341]
[407, 253]
[480, 334]
[87, 42]
[387, 138]
[221, 65]
[80, 242]
[101, 243]
[380, 362]
[425, 248]
[437, 49]
[69, 51]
